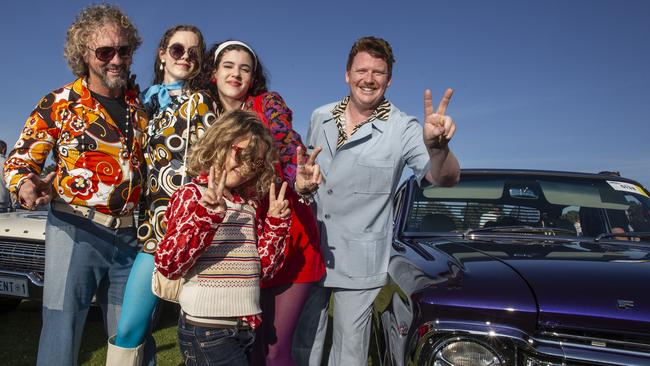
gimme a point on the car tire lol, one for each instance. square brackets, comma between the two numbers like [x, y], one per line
[8, 304]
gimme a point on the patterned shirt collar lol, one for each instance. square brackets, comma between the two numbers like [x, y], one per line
[338, 113]
[80, 86]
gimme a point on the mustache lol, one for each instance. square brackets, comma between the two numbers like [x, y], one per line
[120, 68]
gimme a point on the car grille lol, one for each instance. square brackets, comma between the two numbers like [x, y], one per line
[22, 256]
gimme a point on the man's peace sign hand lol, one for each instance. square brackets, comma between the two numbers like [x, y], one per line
[438, 127]
[278, 205]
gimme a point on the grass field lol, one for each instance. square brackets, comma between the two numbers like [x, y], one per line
[20, 330]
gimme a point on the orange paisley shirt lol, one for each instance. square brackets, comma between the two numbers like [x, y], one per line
[94, 165]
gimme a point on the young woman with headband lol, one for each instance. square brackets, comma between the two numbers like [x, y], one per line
[236, 77]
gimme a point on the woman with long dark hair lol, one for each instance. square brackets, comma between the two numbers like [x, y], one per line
[179, 114]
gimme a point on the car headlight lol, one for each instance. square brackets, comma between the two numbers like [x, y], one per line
[465, 353]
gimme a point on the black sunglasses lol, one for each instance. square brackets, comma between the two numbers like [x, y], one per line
[106, 53]
[177, 50]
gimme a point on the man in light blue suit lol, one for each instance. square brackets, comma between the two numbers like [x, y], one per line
[366, 143]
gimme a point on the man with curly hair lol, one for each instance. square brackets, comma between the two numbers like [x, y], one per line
[94, 128]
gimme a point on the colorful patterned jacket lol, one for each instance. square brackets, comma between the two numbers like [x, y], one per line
[276, 115]
[94, 165]
[164, 152]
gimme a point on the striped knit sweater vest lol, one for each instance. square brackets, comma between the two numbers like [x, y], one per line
[224, 281]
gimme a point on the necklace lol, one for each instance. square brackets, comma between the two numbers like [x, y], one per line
[115, 109]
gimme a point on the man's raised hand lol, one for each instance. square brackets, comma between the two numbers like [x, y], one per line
[438, 127]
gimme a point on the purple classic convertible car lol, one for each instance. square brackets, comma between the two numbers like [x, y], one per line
[522, 268]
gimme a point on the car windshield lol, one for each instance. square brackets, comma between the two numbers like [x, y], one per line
[574, 206]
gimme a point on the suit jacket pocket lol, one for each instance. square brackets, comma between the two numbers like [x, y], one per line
[375, 176]
[360, 255]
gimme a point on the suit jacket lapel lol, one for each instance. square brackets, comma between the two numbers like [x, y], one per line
[331, 135]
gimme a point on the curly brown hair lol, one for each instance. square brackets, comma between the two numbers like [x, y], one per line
[213, 149]
[258, 82]
[87, 22]
[376, 47]
[192, 81]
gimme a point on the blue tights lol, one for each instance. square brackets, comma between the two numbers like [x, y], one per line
[138, 305]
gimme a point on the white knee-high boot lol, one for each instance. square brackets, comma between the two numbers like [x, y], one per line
[119, 356]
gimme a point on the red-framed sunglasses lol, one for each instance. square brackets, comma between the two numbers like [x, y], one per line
[256, 164]
[106, 53]
[177, 50]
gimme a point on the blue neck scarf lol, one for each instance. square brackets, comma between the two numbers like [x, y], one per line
[162, 91]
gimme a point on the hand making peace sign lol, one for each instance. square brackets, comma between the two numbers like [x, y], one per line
[213, 196]
[438, 127]
[278, 205]
[308, 173]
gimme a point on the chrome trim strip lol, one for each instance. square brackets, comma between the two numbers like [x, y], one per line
[607, 341]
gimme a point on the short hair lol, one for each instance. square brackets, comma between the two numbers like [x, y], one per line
[158, 74]
[258, 82]
[87, 22]
[376, 47]
[3, 147]
[213, 148]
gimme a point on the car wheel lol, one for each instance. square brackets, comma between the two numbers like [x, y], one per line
[8, 304]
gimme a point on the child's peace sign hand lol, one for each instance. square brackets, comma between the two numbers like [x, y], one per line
[213, 196]
[278, 205]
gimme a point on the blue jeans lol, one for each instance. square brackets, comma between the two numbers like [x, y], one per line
[82, 259]
[214, 346]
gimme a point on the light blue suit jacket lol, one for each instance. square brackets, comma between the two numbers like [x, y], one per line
[354, 202]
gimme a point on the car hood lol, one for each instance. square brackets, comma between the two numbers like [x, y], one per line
[459, 282]
[581, 285]
[28, 225]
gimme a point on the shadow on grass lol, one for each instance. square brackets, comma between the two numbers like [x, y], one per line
[19, 334]
[20, 331]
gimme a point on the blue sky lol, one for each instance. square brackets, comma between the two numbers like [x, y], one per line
[556, 84]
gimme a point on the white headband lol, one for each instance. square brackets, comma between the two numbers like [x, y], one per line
[223, 45]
